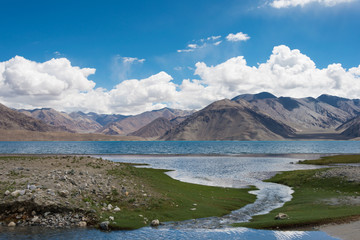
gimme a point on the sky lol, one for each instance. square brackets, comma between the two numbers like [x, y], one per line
[127, 57]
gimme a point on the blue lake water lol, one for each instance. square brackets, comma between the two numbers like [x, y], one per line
[181, 147]
[225, 167]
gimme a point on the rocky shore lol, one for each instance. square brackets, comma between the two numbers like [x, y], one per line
[64, 191]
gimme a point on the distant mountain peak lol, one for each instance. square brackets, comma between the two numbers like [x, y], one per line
[251, 97]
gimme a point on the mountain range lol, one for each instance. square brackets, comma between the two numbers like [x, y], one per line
[261, 116]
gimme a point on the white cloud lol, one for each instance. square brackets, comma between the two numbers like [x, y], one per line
[237, 37]
[122, 66]
[132, 60]
[57, 84]
[193, 46]
[202, 43]
[302, 3]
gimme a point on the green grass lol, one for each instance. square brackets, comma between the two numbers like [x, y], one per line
[308, 205]
[333, 160]
[175, 200]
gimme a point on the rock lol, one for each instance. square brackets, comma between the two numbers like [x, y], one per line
[64, 193]
[111, 218]
[117, 209]
[11, 224]
[82, 224]
[31, 187]
[104, 225]
[192, 209]
[281, 216]
[15, 193]
[109, 207]
[155, 223]
[35, 219]
[7, 192]
[22, 192]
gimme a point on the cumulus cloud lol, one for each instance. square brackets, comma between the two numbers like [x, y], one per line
[286, 73]
[237, 37]
[58, 84]
[302, 3]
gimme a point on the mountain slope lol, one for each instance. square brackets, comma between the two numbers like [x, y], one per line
[13, 120]
[300, 113]
[229, 120]
[60, 119]
[351, 128]
[156, 128]
[133, 123]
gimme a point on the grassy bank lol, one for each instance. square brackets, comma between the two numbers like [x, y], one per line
[175, 201]
[338, 159]
[81, 184]
[316, 200]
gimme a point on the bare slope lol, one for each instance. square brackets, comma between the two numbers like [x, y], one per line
[60, 119]
[351, 128]
[229, 120]
[13, 120]
[156, 128]
[307, 114]
[133, 123]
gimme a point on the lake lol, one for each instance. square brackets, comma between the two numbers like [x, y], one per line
[229, 163]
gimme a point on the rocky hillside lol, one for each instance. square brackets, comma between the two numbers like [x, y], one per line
[76, 123]
[14, 120]
[229, 120]
[303, 113]
[155, 129]
[134, 123]
[351, 128]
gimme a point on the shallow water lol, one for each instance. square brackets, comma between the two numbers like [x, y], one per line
[226, 171]
[151, 233]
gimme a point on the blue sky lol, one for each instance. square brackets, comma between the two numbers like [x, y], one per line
[138, 39]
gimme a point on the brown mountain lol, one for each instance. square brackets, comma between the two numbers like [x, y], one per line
[60, 119]
[303, 114]
[229, 120]
[351, 128]
[134, 123]
[155, 129]
[14, 120]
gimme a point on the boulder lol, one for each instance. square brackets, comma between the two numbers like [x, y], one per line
[155, 223]
[281, 216]
[104, 225]
[82, 224]
[11, 224]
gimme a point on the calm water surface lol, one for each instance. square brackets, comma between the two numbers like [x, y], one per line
[229, 171]
[182, 147]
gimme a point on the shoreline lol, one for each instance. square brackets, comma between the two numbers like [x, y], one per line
[329, 228]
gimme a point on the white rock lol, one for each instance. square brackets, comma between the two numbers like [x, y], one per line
[155, 223]
[11, 224]
[109, 207]
[7, 192]
[15, 193]
[111, 218]
[117, 209]
[82, 224]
